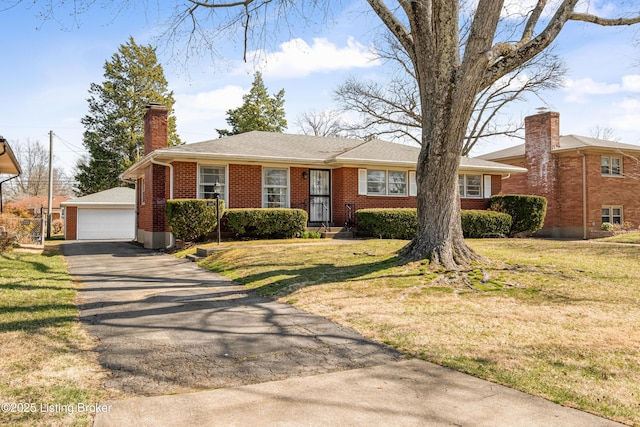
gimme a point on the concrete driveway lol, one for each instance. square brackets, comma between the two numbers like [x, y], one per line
[166, 326]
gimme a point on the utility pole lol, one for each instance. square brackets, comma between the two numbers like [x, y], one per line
[50, 205]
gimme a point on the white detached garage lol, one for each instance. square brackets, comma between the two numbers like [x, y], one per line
[107, 215]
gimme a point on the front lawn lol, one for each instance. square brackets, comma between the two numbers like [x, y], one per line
[554, 319]
[47, 366]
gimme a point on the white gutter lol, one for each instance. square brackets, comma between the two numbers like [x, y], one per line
[170, 166]
[584, 195]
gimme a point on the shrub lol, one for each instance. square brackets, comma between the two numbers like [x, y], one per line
[527, 212]
[311, 235]
[280, 223]
[606, 226]
[191, 219]
[57, 226]
[476, 224]
[403, 223]
[399, 223]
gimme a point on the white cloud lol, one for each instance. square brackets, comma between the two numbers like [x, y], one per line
[519, 8]
[296, 58]
[627, 116]
[631, 83]
[579, 90]
[200, 114]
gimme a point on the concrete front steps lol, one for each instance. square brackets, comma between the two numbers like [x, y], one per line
[332, 232]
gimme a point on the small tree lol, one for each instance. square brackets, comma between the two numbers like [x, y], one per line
[114, 126]
[259, 111]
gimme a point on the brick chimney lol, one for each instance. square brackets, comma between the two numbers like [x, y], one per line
[542, 135]
[156, 134]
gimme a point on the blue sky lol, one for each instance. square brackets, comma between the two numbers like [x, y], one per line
[48, 65]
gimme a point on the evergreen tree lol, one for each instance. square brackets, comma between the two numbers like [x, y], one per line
[114, 126]
[259, 111]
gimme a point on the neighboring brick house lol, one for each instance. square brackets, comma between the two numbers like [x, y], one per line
[37, 204]
[586, 181]
[328, 177]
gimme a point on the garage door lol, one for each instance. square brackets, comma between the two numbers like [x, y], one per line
[106, 224]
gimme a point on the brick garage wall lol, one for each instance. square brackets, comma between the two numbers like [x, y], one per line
[245, 186]
[71, 223]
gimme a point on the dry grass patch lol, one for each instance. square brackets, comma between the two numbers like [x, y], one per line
[45, 356]
[555, 319]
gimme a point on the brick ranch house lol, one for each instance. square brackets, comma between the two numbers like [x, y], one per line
[586, 181]
[328, 177]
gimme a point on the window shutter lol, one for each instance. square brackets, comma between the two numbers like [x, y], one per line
[362, 181]
[413, 186]
[487, 186]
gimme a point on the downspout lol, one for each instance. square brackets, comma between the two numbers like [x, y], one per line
[170, 166]
[585, 234]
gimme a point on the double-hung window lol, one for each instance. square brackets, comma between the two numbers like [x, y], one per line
[383, 182]
[470, 186]
[211, 180]
[275, 188]
[612, 214]
[611, 166]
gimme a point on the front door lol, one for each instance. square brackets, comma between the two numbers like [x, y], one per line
[320, 196]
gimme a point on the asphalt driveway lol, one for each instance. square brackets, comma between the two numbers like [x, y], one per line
[165, 325]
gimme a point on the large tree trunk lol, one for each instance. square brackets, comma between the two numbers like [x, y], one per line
[439, 237]
[447, 91]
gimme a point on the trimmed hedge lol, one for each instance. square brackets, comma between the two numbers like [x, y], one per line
[192, 219]
[477, 224]
[528, 212]
[281, 223]
[403, 223]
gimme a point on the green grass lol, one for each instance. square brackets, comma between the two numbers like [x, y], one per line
[623, 238]
[45, 357]
[554, 319]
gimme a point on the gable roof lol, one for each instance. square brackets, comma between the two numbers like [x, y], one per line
[121, 197]
[290, 149]
[567, 143]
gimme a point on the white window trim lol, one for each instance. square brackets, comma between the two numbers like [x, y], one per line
[362, 182]
[611, 174]
[288, 201]
[224, 195]
[465, 196]
[611, 208]
[142, 191]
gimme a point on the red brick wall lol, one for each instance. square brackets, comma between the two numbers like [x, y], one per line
[185, 180]
[245, 186]
[71, 223]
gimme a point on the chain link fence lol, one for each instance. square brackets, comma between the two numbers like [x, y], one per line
[26, 231]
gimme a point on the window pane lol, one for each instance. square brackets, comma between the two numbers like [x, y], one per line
[461, 185]
[616, 166]
[275, 191]
[210, 175]
[376, 182]
[397, 183]
[606, 215]
[474, 185]
[604, 166]
[275, 177]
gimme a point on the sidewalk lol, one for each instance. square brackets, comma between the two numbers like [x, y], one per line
[408, 393]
